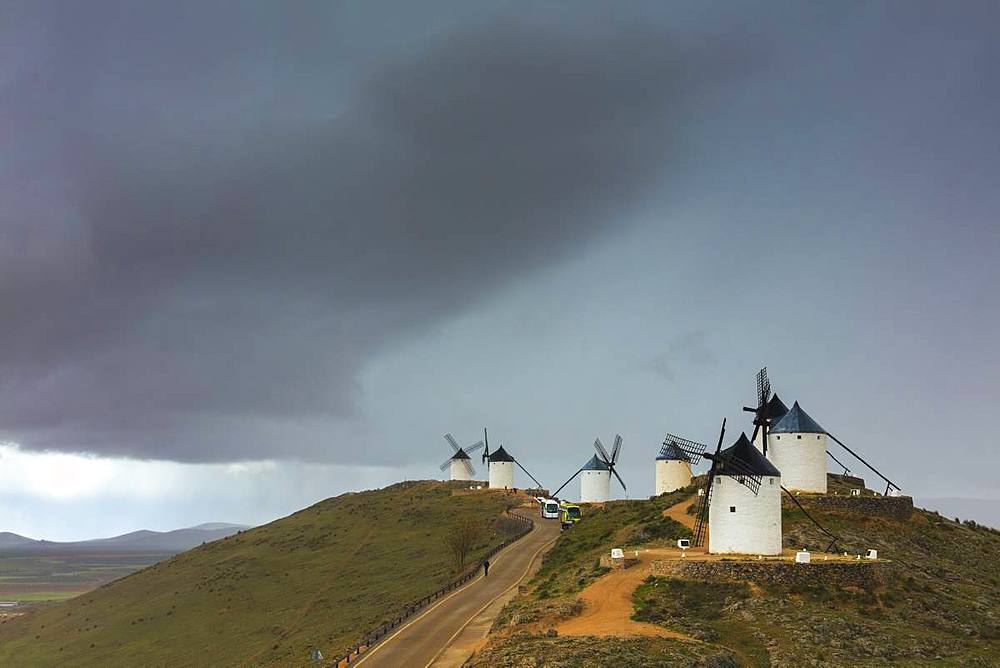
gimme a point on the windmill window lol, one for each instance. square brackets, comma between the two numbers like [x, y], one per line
[799, 436]
[732, 509]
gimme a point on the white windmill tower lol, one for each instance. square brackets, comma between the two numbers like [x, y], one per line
[797, 446]
[740, 509]
[673, 467]
[595, 475]
[501, 466]
[743, 502]
[460, 463]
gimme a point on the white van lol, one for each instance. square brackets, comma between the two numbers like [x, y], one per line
[550, 509]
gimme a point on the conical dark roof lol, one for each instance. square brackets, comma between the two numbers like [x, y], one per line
[500, 455]
[776, 409]
[797, 421]
[595, 464]
[460, 454]
[752, 462]
[670, 452]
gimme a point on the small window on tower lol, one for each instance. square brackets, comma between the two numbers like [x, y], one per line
[770, 481]
[778, 437]
[799, 436]
[732, 509]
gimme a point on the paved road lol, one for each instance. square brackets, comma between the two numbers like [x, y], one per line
[423, 640]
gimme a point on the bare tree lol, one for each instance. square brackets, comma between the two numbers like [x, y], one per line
[462, 539]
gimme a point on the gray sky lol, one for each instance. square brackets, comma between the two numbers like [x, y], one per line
[312, 239]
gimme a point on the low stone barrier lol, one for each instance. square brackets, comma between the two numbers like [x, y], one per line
[864, 573]
[897, 507]
[608, 562]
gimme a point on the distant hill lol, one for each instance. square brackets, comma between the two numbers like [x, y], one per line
[266, 596]
[10, 540]
[170, 542]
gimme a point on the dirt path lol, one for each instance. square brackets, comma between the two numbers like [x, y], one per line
[458, 618]
[608, 602]
[678, 512]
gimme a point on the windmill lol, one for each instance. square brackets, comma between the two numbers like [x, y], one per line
[673, 469]
[740, 509]
[797, 444]
[734, 513]
[460, 462]
[595, 483]
[501, 466]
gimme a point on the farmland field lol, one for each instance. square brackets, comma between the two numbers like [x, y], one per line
[28, 578]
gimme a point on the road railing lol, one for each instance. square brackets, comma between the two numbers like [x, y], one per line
[375, 636]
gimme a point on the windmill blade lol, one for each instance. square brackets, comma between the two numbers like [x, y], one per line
[763, 388]
[446, 464]
[692, 449]
[702, 514]
[468, 467]
[529, 475]
[722, 435]
[616, 448]
[486, 440]
[452, 442]
[742, 473]
[556, 493]
[472, 448]
[601, 451]
[612, 468]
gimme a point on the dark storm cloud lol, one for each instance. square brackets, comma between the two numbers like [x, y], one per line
[212, 221]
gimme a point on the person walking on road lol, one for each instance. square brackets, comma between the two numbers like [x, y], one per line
[486, 568]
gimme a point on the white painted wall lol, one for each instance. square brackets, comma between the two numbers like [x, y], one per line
[801, 458]
[595, 486]
[458, 471]
[501, 475]
[755, 527]
[671, 474]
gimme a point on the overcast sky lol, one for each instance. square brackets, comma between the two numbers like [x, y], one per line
[256, 254]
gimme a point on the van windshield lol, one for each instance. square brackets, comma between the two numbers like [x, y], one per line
[573, 512]
[551, 507]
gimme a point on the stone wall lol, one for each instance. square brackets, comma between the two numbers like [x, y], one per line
[628, 562]
[864, 573]
[897, 507]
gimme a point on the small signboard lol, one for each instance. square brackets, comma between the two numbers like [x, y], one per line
[616, 553]
[684, 543]
[802, 557]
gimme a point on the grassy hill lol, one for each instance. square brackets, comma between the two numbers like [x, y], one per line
[267, 595]
[938, 605]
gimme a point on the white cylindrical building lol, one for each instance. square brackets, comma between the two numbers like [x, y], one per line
[501, 469]
[673, 470]
[739, 521]
[460, 466]
[595, 481]
[776, 410]
[796, 446]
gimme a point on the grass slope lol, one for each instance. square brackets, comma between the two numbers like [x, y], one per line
[318, 578]
[938, 606]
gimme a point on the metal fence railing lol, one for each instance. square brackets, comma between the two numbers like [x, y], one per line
[373, 637]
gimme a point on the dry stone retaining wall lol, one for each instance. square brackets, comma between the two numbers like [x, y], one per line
[841, 573]
[897, 507]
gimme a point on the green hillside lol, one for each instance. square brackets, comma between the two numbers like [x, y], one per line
[937, 606]
[317, 578]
